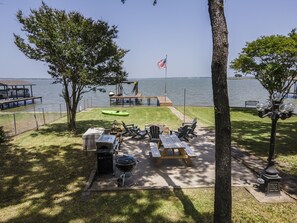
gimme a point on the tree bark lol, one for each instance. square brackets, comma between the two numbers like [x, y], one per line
[223, 196]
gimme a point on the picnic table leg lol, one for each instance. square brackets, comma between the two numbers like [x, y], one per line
[187, 160]
[158, 161]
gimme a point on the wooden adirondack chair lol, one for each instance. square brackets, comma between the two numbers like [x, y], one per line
[183, 133]
[192, 126]
[134, 131]
[129, 129]
[154, 132]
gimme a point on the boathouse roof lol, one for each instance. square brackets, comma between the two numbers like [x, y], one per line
[15, 83]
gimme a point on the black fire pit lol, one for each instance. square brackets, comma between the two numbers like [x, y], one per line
[125, 164]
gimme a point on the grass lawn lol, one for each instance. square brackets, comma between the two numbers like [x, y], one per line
[251, 132]
[25, 120]
[43, 174]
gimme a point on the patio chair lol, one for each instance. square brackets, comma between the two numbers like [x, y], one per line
[192, 126]
[137, 133]
[183, 133]
[154, 132]
[129, 129]
[190, 123]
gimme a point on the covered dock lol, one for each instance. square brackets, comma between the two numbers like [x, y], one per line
[15, 93]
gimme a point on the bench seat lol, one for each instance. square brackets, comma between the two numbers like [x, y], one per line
[251, 104]
[154, 150]
[189, 150]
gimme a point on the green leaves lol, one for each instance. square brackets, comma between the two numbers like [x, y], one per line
[71, 44]
[272, 60]
[79, 51]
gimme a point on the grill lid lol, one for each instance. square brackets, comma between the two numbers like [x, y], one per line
[126, 160]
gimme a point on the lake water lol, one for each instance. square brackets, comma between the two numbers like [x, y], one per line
[198, 92]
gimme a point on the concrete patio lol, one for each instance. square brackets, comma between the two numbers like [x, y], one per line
[176, 174]
[173, 173]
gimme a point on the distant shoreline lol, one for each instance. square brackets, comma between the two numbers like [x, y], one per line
[134, 78]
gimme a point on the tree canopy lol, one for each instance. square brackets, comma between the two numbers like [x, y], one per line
[272, 60]
[81, 53]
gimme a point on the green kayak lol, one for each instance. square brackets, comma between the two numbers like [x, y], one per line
[112, 112]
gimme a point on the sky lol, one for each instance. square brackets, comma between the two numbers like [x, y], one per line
[179, 29]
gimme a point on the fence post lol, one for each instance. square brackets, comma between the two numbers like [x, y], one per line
[14, 122]
[43, 116]
[36, 119]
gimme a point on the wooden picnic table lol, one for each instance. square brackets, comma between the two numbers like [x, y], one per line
[170, 147]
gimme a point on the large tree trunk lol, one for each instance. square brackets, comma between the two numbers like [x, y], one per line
[223, 196]
[71, 102]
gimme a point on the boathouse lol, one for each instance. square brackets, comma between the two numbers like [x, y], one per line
[16, 92]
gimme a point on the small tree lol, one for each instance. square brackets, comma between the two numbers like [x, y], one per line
[80, 52]
[272, 60]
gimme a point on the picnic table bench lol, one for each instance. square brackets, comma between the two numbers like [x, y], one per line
[154, 150]
[172, 143]
[188, 150]
[250, 104]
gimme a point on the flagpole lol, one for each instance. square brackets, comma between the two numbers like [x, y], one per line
[166, 79]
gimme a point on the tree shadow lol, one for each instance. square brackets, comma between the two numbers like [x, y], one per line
[60, 129]
[255, 136]
[45, 184]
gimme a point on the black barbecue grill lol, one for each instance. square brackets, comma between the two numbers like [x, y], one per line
[107, 146]
[125, 164]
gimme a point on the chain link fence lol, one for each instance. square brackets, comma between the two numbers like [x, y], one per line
[24, 118]
[32, 117]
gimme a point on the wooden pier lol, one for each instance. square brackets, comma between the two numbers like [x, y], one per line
[10, 103]
[137, 99]
[164, 101]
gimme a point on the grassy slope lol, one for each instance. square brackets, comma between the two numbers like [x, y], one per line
[43, 172]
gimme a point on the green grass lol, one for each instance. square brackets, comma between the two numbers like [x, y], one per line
[251, 132]
[43, 174]
[25, 120]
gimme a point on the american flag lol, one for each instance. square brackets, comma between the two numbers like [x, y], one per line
[162, 63]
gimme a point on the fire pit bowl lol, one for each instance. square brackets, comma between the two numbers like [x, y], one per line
[125, 164]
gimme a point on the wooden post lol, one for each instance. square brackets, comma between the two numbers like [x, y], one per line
[43, 116]
[184, 105]
[14, 122]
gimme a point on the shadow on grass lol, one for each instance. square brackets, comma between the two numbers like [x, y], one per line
[60, 129]
[52, 192]
[255, 136]
[45, 184]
